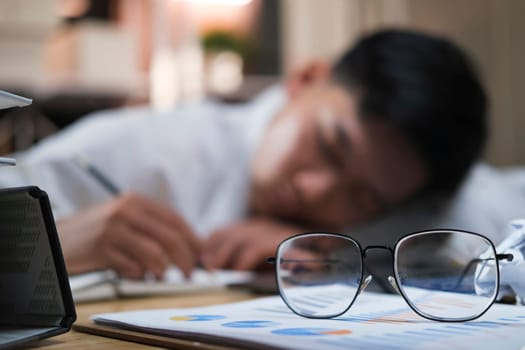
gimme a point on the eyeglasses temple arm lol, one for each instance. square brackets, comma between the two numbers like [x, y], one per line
[504, 256]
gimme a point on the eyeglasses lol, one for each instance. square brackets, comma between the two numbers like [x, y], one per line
[320, 275]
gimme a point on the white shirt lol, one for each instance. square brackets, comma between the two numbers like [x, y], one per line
[485, 203]
[195, 158]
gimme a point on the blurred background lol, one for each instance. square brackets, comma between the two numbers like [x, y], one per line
[77, 56]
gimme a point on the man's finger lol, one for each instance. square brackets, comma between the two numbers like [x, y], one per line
[224, 254]
[166, 215]
[145, 251]
[124, 265]
[173, 244]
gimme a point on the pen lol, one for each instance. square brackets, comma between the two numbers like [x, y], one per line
[8, 100]
[7, 161]
[96, 174]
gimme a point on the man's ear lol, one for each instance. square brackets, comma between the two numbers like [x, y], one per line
[310, 73]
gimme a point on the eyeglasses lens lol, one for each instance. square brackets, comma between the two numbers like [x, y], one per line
[319, 274]
[447, 275]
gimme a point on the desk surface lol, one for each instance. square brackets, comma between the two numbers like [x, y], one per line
[81, 341]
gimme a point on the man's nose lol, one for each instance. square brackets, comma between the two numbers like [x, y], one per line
[314, 184]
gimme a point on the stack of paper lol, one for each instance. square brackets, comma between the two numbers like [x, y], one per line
[375, 321]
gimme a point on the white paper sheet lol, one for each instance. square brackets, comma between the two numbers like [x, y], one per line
[375, 321]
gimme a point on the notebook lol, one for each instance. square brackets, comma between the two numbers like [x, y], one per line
[106, 284]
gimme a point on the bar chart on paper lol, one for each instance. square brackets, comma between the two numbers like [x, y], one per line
[374, 321]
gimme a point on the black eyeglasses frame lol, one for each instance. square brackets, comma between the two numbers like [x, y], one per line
[363, 281]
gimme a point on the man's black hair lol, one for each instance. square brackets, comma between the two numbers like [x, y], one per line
[427, 88]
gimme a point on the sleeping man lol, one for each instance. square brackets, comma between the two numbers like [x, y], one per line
[400, 118]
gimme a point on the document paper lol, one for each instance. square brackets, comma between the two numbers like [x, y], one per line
[374, 321]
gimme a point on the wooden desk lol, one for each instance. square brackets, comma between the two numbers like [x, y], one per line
[84, 341]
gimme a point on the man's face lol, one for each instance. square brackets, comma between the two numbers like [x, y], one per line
[319, 164]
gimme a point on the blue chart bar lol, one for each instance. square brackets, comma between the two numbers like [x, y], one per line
[356, 319]
[483, 324]
[424, 334]
[395, 338]
[448, 331]
[373, 315]
[280, 308]
[511, 319]
[309, 303]
[322, 298]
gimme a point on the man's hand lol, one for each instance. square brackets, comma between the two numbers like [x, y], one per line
[245, 245]
[130, 234]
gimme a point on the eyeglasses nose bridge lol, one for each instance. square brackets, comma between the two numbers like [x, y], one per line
[364, 284]
[393, 283]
